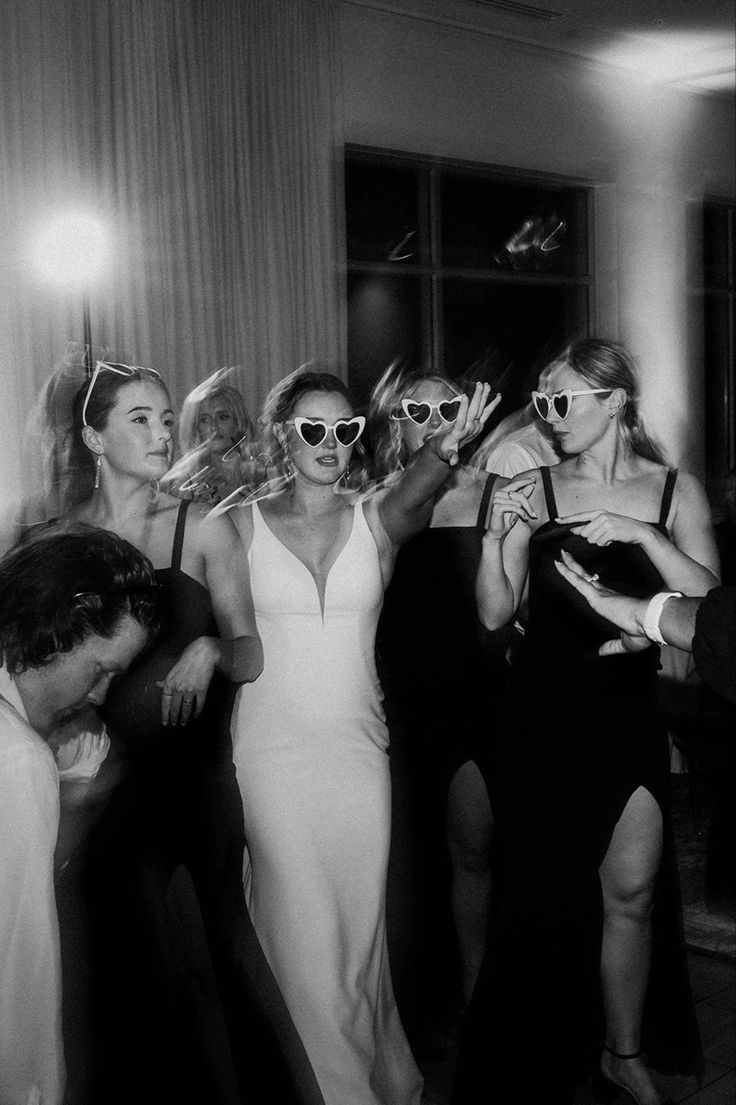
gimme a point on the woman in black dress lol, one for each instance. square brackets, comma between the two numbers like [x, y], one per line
[586, 881]
[439, 684]
[178, 804]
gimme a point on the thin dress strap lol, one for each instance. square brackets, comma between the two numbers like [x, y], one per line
[181, 521]
[484, 501]
[669, 487]
[549, 495]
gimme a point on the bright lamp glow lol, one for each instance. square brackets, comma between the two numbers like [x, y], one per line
[70, 249]
[686, 58]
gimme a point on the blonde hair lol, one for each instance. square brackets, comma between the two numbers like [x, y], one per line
[387, 441]
[212, 389]
[609, 365]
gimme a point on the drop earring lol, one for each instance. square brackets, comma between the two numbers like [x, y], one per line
[288, 467]
[97, 471]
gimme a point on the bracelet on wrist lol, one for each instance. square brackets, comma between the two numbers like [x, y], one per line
[653, 614]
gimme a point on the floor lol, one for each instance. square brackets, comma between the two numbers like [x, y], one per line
[710, 935]
[714, 988]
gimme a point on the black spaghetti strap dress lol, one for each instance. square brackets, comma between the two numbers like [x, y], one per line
[440, 686]
[580, 733]
[161, 1036]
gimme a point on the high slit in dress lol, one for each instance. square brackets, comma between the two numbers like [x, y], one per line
[579, 734]
[442, 683]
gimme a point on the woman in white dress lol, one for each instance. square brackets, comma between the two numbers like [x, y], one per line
[310, 741]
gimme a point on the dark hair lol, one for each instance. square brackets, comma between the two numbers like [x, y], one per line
[58, 589]
[389, 447]
[280, 403]
[607, 364]
[102, 398]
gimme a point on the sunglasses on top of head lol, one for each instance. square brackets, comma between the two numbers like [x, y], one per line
[560, 402]
[420, 413]
[119, 370]
[313, 431]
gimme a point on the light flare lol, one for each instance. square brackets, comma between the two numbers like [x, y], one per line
[70, 249]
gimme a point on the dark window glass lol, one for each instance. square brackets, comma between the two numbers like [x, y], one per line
[384, 322]
[506, 333]
[382, 213]
[716, 268]
[502, 226]
[494, 271]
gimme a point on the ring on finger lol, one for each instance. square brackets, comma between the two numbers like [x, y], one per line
[594, 578]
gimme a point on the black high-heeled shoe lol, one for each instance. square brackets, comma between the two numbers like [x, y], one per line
[607, 1088]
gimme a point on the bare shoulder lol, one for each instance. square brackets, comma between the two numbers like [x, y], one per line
[459, 500]
[167, 507]
[470, 481]
[689, 496]
[234, 521]
[687, 483]
[369, 498]
[370, 502]
[523, 480]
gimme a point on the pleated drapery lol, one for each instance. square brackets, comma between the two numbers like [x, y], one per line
[204, 135]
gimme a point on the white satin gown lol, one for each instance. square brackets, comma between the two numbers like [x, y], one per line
[310, 750]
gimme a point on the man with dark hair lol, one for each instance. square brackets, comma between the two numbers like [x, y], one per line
[75, 608]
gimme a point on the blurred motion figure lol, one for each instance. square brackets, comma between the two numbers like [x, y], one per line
[215, 438]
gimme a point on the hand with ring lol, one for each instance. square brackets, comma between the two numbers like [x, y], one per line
[624, 612]
[472, 416]
[177, 706]
[510, 502]
[184, 689]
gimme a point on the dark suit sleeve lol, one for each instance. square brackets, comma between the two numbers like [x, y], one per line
[714, 642]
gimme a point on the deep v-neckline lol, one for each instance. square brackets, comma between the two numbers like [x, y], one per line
[321, 595]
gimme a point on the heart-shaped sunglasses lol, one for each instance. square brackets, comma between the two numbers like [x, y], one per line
[313, 431]
[420, 413]
[560, 402]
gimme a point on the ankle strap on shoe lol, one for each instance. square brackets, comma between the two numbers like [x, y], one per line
[621, 1055]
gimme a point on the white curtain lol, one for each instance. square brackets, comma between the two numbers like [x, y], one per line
[204, 135]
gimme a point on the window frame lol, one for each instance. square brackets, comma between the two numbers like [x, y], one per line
[432, 274]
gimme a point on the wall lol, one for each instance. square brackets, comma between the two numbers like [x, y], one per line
[414, 85]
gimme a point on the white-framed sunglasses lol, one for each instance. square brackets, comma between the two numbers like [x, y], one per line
[560, 402]
[121, 370]
[313, 431]
[420, 413]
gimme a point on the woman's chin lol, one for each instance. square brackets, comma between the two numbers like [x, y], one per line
[157, 471]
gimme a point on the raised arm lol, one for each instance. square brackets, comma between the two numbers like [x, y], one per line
[405, 507]
[499, 585]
